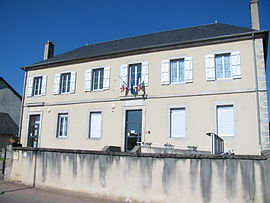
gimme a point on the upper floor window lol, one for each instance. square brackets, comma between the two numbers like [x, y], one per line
[176, 71]
[132, 75]
[64, 83]
[37, 86]
[62, 125]
[97, 79]
[223, 66]
[177, 67]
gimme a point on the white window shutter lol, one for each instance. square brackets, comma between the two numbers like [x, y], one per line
[145, 73]
[106, 81]
[188, 70]
[124, 75]
[95, 125]
[165, 72]
[44, 85]
[210, 67]
[88, 80]
[72, 82]
[56, 86]
[30, 87]
[225, 122]
[178, 123]
[236, 65]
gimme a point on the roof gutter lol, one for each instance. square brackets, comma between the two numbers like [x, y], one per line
[248, 35]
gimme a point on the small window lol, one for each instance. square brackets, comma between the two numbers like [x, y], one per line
[135, 74]
[225, 120]
[62, 125]
[37, 86]
[177, 69]
[98, 77]
[95, 125]
[65, 83]
[223, 66]
[177, 123]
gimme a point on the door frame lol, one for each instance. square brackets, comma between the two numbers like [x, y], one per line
[40, 127]
[124, 111]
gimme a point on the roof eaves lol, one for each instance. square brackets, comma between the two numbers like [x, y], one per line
[146, 48]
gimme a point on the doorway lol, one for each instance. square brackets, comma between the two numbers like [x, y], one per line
[33, 131]
[133, 129]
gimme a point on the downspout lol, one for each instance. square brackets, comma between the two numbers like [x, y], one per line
[257, 92]
[22, 106]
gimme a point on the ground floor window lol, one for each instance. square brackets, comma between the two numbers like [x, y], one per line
[225, 120]
[177, 122]
[62, 125]
[95, 125]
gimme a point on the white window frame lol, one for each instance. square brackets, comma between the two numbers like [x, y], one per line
[136, 73]
[64, 115]
[223, 66]
[171, 108]
[90, 124]
[178, 60]
[225, 104]
[93, 77]
[68, 83]
[39, 86]
[30, 113]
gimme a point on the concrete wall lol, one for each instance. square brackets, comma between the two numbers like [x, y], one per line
[146, 177]
[199, 98]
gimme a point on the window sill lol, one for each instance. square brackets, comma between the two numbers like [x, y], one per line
[62, 137]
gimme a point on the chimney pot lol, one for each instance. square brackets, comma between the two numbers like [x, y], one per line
[48, 50]
[254, 11]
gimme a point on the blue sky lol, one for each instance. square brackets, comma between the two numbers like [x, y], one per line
[26, 25]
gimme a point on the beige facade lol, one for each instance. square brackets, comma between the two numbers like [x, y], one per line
[199, 98]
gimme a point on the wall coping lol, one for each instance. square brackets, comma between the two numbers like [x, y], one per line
[152, 155]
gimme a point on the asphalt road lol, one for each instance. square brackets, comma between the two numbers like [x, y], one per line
[17, 193]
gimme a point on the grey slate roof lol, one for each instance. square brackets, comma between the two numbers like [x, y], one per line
[154, 40]
[7, 125]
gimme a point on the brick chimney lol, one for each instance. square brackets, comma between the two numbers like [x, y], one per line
[255, 21]
[48, 50]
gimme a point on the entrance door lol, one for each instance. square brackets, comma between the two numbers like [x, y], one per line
[133, 129]
[33, 131]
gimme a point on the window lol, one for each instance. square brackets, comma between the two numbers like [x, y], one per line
[225, 120]
[95, 125]
[62, 125]
[98, 75]
[37, 86]
[97, 79]
[223, 66]
[65, 83]
[177, 123]
[135, 74]
[176, 71]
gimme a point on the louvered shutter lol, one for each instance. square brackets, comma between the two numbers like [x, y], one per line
[72, 82]
[124, 75]
[210, 67]
[188, 70]
[56, 86]
[30, 87]
[165, 72]
[145, 73]
[106, 82]
[44, 85]
[236, 66]
[88, 80]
